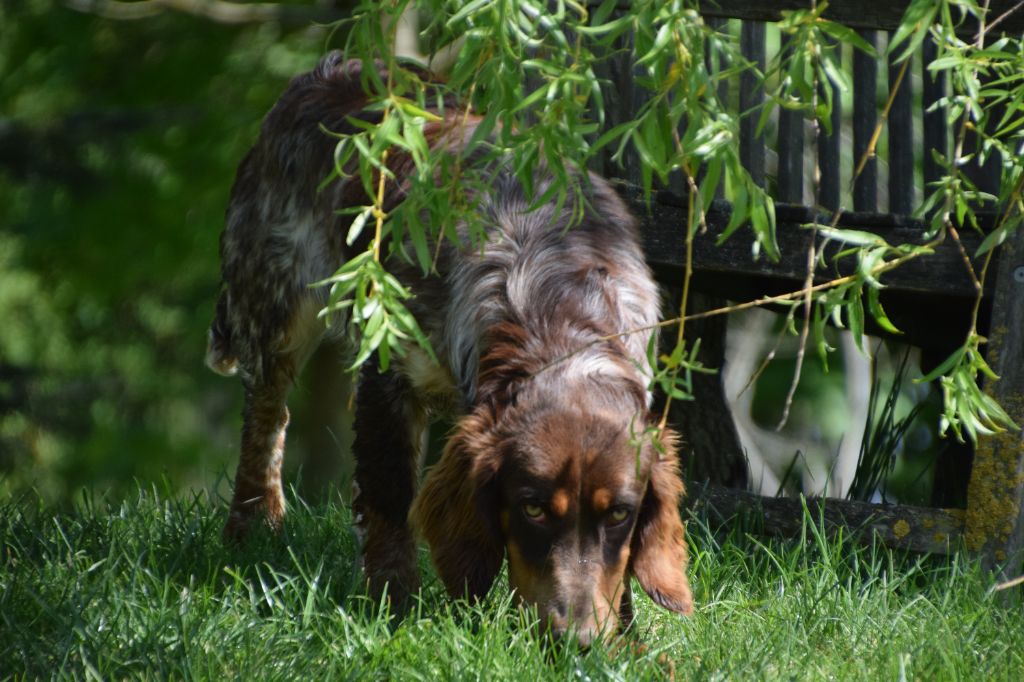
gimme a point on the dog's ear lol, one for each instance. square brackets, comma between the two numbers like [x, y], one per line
[457, 509]
[659, 555]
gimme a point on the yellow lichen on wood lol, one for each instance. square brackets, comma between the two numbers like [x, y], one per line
[900, 529]
[993, 507]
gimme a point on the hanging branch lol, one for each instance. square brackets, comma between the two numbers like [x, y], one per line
[528, 68]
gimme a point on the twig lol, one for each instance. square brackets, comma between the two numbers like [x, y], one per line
[687, 273]
[812, 255]
[1004, 15]
[812, 258]
[378, 205]
[757, 303]
[804, 332]
[756, 374]
[1010, 583]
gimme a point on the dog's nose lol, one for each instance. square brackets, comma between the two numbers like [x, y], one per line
[562, 636]
[563, 628]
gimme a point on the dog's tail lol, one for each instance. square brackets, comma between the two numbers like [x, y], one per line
[219, 355]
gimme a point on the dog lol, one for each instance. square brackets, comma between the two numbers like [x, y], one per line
[551, 462]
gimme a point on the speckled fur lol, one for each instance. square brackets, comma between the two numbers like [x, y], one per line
[508, 320]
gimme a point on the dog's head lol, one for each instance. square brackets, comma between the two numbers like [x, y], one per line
[577, 497]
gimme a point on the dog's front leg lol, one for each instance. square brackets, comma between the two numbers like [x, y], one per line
[388, 443]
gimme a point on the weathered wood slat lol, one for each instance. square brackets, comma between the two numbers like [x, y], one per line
[623, 100]
[936, 135]
[865, 115]
[829, 154]
[713, 66]
[720, 25]
[711, 450]
[901, 143]
[855, 13]
[790, 170]
[661, 228]
[751, 96]
[917, 529]
[790, 146]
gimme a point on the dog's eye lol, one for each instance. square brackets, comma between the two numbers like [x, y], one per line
[534, 512]
[618, 515]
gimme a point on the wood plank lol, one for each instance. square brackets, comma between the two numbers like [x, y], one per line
[995, 496]
[865, 116]
[855, 13]
[711, 450]
[901, 143]
[829, 154]
[660, 225]
[918, 529]
[790, 147]
[790, 171]
[622, 99]
[936, 134]
[714, 66]
[752, 45]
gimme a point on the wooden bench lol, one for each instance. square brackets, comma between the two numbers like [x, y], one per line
[930, 299]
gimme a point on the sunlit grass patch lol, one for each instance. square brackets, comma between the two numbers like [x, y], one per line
[145, 588]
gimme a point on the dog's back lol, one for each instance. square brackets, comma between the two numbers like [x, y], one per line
[280, 233]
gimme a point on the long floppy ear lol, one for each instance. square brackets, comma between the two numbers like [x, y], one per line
[659, 555]
[456, 510]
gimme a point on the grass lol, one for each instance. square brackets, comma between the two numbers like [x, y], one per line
[145, 589]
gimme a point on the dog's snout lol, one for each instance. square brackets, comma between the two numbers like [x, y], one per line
[565, 631]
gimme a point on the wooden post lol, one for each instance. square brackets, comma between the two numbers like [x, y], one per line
[995, 497]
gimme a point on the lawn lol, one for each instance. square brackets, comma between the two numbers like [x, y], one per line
[144, 588]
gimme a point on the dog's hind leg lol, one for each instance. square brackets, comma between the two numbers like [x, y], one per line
[258, 479]
[388, 445]
[258, 493]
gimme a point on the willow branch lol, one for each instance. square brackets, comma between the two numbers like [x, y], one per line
[924, 250]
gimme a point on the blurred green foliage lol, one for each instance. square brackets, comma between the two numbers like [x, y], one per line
[118, 144]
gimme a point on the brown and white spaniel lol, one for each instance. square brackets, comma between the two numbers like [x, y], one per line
[551, 463]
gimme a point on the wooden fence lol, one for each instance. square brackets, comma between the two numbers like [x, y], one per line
[930, 298]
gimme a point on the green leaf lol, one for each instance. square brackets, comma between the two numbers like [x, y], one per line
[875, 308]
[945, 366]
[845, 35]
[917, 19]
[358, 223]
[612, 134]
[855, 315]
[410, 108]
[418, 236]
[855, 237]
